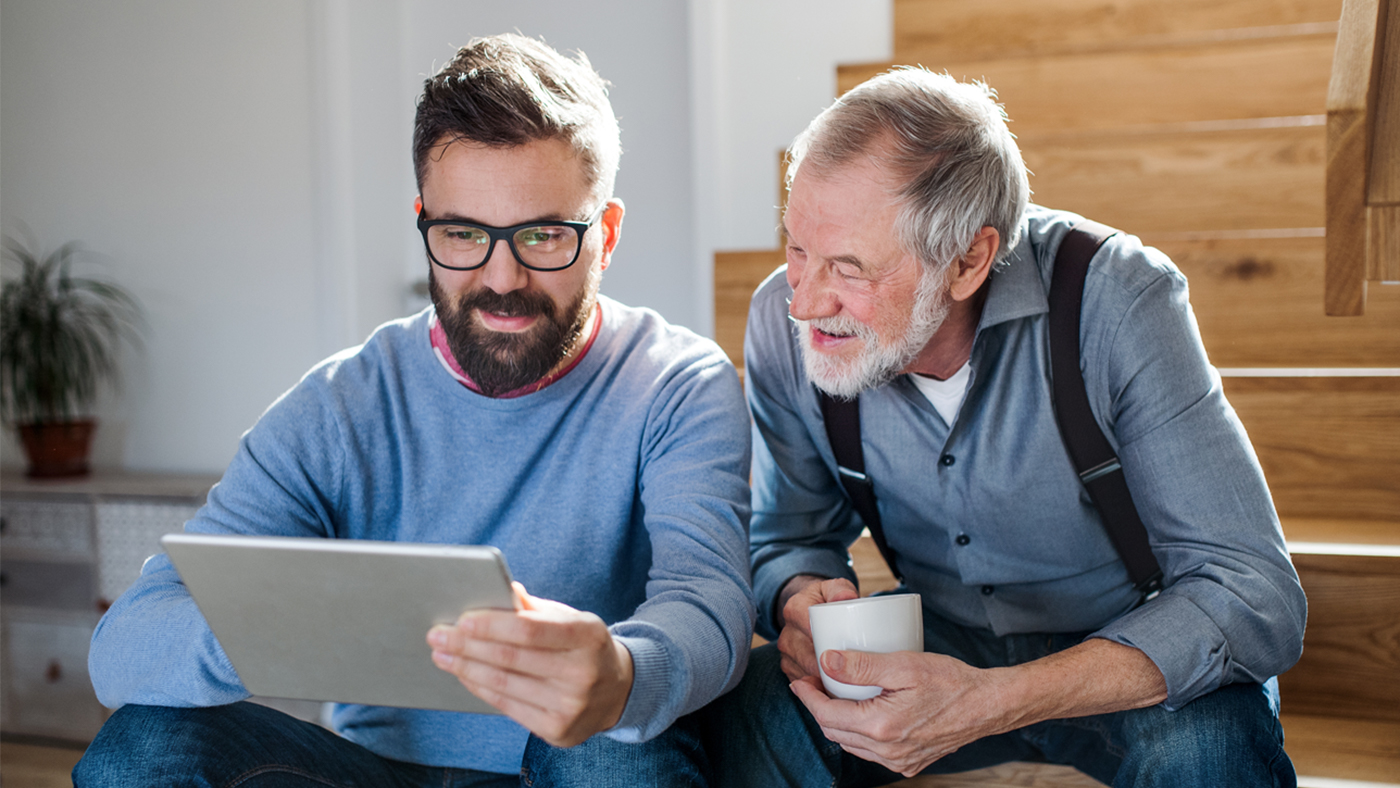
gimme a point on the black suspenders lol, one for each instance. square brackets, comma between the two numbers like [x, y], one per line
[1090, 451]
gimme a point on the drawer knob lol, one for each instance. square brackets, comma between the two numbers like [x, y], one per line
[54, 674]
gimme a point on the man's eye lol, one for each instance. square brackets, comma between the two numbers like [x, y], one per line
[463, 235]
[536, 236]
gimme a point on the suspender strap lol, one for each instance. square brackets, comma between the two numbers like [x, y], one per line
[1093, 456]
[842, 418]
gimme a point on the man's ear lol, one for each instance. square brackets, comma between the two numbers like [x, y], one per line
[612, 228]
[971, 270]
[418, 205]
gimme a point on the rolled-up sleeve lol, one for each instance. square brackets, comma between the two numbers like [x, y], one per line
[1232, 609]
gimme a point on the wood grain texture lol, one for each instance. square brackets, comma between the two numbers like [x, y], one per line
[872, 571]
[1331, 529]
[1351, 652]
[1007, 775]
[737, 275]
[1267, 78]
[1258, 302]
[1345, 289]
[965, 28]
[1351, 96]
[1340, 748]
[1383, 184]
[1383, 249]
[1184, 181]
[1329, 447]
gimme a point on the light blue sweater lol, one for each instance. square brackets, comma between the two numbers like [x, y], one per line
[620, 489]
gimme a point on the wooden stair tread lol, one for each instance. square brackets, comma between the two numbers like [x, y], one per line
[1270, 78]
[965, 29]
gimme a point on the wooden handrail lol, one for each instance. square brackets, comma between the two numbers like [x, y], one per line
[1353, 109]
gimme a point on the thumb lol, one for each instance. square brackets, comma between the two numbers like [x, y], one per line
[523, 600]
[853, 667]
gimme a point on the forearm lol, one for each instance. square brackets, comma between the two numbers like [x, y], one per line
[1094, 677]
[154, 648]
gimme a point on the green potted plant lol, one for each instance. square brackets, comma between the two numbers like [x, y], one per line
[60, 337]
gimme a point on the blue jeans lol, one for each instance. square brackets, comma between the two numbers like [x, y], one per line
[244, 744]
[675, 758]
[761, 735]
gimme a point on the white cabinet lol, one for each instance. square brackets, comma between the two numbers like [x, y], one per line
[67, 550]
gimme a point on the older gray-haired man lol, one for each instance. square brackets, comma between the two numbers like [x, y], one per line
[916, 281]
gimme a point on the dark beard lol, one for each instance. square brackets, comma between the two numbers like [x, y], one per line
[500, 362]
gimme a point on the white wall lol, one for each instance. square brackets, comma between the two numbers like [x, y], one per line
[244, 167]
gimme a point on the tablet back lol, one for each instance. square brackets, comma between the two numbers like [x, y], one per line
[342, 620]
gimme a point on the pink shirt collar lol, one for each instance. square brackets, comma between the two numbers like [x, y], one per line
[438, 337]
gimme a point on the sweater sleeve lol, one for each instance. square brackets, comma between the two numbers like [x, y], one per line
[1232, 609]
[153, 646]
[690, 638]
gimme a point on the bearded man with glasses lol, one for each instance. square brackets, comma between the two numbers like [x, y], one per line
[603, 451]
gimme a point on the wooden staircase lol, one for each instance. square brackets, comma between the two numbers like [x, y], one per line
[1201, 127]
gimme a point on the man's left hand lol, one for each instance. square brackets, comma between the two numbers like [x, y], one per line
[931, 706]
[553, 669]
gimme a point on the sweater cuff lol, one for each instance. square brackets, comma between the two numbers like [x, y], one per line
[770, 578]
[1181, 640]
[650, 689]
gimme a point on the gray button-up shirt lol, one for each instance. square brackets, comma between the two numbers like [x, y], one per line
[1004, 536]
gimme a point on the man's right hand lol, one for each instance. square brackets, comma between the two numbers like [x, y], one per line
[795, 640]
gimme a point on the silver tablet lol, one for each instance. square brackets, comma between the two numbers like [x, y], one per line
[342, 620]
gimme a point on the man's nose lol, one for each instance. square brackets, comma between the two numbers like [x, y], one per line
[812, 294]
[502, 272]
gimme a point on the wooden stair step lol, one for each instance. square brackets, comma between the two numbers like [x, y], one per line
[1135, 86]
[965, 29]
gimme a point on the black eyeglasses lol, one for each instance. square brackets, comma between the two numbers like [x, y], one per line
[539, 246]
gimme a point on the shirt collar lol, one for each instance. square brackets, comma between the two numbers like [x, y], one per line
[1018, 286]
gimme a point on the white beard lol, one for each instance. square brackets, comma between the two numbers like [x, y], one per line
[878, 362]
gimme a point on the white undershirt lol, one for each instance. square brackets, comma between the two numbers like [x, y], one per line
[946, 396]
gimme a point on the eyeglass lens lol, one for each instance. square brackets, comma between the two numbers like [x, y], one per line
[543, 246]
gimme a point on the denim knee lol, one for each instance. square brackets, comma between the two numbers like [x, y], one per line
[141, 746]
[1231, 736]
[675, 758]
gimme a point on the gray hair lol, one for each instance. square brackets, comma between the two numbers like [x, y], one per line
[948, 147]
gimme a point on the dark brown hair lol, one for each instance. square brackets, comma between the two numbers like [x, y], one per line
[508, 90]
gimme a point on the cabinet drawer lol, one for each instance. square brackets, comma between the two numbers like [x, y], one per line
[47, 690]
[129, 532]
[63, 527]
[47, 584]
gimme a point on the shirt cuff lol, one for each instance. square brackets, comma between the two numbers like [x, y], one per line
[1181, 640]
[770, 578]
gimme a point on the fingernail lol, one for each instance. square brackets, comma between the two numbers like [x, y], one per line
[437, 637]
[442, 659]
[834, 660]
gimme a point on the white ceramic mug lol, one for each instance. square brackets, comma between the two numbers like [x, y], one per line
[881, 624]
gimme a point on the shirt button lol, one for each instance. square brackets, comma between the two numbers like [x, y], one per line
[947, 460]
[987, 590]
[963, 540]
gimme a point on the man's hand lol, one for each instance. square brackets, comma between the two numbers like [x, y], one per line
[795, 639]
[553, 669]
[931, 706]
[934, 704]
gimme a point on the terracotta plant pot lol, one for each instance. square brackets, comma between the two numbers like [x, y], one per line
[57, 448]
